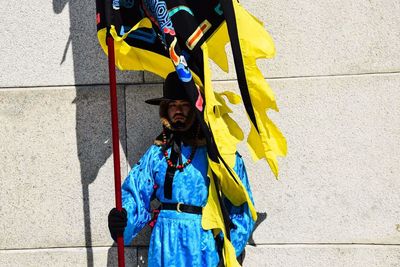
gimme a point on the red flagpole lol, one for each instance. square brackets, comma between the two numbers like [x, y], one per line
[115, 141]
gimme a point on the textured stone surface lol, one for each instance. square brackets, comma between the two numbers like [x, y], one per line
[326, 38]
[53, 43]
[102, 256]
[336, 37]
[142, 256]
[142, 120]
[339, 182]
[151, 78]
[322, 255]
[56, 167]
[143, 126]
[309, 37]
[343, 190]
[271, 255]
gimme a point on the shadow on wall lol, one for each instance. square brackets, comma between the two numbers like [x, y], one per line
[130, 257]
[94, 145]
[261, 216]
[93, 127]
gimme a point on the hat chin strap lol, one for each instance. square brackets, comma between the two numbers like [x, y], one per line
[179, 126]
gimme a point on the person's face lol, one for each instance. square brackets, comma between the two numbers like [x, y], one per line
[180, 113]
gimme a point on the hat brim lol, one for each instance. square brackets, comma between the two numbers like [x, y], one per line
[156, 101]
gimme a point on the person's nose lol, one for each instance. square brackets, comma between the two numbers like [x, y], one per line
[179, 108]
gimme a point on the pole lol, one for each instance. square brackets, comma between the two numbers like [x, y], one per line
[115, 141]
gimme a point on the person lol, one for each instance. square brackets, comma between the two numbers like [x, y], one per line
[174, 171]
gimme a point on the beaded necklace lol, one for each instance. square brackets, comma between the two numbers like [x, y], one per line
[169, 161]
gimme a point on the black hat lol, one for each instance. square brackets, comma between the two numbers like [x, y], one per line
[172, 90]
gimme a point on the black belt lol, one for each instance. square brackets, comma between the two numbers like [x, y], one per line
[180, 207]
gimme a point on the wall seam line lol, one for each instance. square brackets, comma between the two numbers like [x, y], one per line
[222, 80]
[248, 246]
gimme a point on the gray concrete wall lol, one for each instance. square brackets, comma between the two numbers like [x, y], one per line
[336, 78]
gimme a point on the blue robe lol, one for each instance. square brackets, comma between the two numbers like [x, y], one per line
[178, 239]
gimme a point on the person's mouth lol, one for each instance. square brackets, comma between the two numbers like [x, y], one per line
[179, 117]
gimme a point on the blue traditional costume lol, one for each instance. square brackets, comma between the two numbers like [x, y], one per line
[162, 36]
[175, 171]
[177, 238]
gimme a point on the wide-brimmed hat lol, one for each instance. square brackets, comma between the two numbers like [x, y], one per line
[172, 90]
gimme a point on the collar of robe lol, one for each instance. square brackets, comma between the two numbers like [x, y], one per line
[174, 161]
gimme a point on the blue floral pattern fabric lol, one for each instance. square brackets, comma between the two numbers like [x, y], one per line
[177, 238]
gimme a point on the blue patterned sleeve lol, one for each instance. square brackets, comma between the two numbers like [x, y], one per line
[137, 190]
[240, 215]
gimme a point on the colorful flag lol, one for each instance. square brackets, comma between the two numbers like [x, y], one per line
[162, 36]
